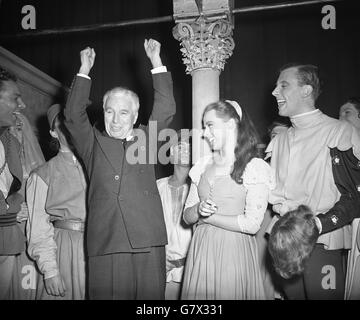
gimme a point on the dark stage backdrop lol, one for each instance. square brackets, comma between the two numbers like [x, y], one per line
[264, 41]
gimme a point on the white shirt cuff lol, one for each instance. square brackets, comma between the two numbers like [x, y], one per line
[159, 70]
[318, 224]
[83, 75]
[51, 273]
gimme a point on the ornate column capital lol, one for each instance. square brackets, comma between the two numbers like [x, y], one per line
[205, 43]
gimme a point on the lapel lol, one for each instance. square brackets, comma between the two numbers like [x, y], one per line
[112, 149]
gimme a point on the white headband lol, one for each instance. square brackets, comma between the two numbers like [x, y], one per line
[236, 107]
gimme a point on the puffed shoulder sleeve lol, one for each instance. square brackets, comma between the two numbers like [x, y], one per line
[258, 179]
[199, 167]
[258, 171]
[344, 138]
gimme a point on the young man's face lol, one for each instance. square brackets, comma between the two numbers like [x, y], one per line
[288, 93]
[349, 113]
[119, 116]
[10, 103]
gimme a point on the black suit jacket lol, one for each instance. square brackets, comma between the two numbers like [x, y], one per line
[125, 212]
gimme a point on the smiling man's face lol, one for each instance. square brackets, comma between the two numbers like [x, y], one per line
[288, 93]
[119, 115]
[10, 103]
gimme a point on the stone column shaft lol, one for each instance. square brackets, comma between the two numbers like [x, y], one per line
[205, 47]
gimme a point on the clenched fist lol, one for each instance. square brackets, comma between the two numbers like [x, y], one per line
[152, 49]
[87, 58]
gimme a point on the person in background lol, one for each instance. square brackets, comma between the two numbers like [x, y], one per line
[270, 278]
[227, 201]
[56, 197]
[276, 127]
[350, 112]
[292, 240]
[173, 192]
[19, 154]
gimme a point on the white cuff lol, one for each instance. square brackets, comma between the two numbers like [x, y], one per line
[318, 224]
[83, 75]
[159, 70]
[51, 273]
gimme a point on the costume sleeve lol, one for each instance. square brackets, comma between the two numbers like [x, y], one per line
[258, 180]
[343, 213]
[164, 107]
[76, 118]
[346, 172]
[40, 231]
[345, 137]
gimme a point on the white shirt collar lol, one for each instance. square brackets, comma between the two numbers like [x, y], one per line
[304, 114]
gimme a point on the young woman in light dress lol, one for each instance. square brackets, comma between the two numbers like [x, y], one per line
[226, 203]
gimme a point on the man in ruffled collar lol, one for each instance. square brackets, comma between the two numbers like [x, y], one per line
[303, 157]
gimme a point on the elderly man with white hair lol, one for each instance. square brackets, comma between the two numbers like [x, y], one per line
[125, 232]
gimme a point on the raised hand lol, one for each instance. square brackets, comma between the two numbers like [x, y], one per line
[152, 49]
[87, 58]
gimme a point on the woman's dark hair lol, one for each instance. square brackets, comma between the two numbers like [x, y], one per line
[246, 144]
[292, 240]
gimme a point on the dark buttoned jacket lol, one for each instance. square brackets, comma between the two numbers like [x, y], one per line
[125, 212]
[346, 171]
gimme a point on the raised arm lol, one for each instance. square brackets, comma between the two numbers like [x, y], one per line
[164, 107]
[152, 50]
[76, 118]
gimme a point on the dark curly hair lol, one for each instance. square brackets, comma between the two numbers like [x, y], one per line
[247, 140]
[5, 76]
[292, 240]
